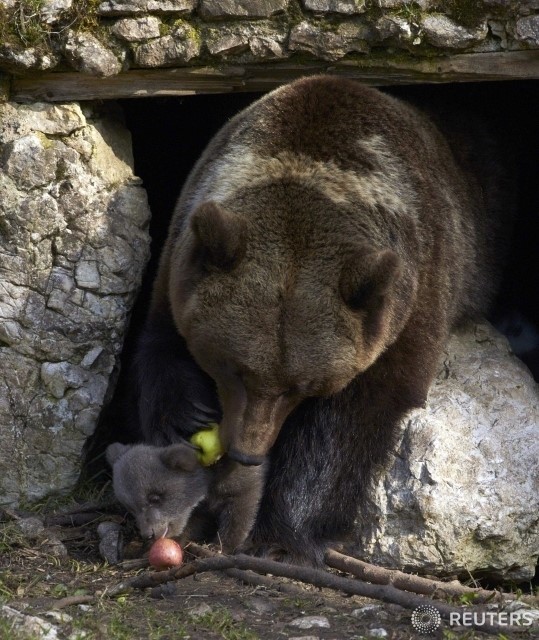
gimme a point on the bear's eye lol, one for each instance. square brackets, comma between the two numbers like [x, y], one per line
[155, 498]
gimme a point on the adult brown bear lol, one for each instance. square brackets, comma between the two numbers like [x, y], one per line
[322, 249]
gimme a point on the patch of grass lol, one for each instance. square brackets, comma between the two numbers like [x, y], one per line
[7, 632]
[220, 621]
[24, 24]
[125, 619]
[11, 537]
[28, 25]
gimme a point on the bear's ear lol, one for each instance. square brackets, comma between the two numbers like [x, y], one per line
[115, 451]
[220, 236]
[367, 278]
[180, 457]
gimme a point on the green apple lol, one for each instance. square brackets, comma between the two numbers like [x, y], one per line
[209, 444]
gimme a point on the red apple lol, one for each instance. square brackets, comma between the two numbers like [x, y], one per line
[165, 553]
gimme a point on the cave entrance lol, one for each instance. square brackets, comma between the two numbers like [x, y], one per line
[170, 133]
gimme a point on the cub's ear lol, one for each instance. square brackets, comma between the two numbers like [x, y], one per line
[180, 457]
[220, 235]
[115, 451]
[368, 277]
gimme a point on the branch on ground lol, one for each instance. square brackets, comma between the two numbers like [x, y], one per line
[317, 577]
[407, 581]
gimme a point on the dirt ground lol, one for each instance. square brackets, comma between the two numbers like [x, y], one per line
[56, 574]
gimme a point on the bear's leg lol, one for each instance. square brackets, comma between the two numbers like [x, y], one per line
[234, 499]
[324, 461]
[175, 397]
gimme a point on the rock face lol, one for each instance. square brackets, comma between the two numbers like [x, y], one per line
[73, 244]
[112, 36]
[462, 492]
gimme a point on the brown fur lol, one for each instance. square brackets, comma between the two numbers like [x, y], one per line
[323, 247]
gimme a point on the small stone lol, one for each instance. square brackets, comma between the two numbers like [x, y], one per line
[213, 9]
[179, 47]
[135, 29]
[527, 29]
[443, 32]
[199, 610]
[377, 633]
[87, 275]
[266, 48]
[228, 44]
[330, 45]
[348, 7]
[260, 605]
[52, 10]
[29, 626]
[310, 622]
[59, 616]
[88, 55]
[368, 608]
[28, 162]
[57, 377]
[394, 27]
[13, 58]
[91, 357]
[31, 527]
[110, 541]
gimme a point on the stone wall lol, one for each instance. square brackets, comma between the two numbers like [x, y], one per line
[108, 37]
[73, 245]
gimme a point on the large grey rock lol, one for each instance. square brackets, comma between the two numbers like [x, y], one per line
[330, 44]
[179, 47]
[443, 32]
[462, 492]
[88, 55]
[73, 245]
[212, 9]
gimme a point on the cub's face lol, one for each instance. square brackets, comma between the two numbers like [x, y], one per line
[276, 309]
[160, 486]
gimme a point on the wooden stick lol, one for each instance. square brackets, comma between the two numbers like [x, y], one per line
[406, 581]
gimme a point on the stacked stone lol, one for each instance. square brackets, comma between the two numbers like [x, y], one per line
[73, 245]
[168, 33]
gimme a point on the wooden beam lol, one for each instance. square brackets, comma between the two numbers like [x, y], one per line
[375, 69]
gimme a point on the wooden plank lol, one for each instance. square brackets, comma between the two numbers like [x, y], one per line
[59, 87]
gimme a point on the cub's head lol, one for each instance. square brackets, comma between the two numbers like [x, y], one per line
[160, 486]
[280, 298]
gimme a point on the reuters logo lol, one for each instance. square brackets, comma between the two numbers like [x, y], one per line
[426, 618]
